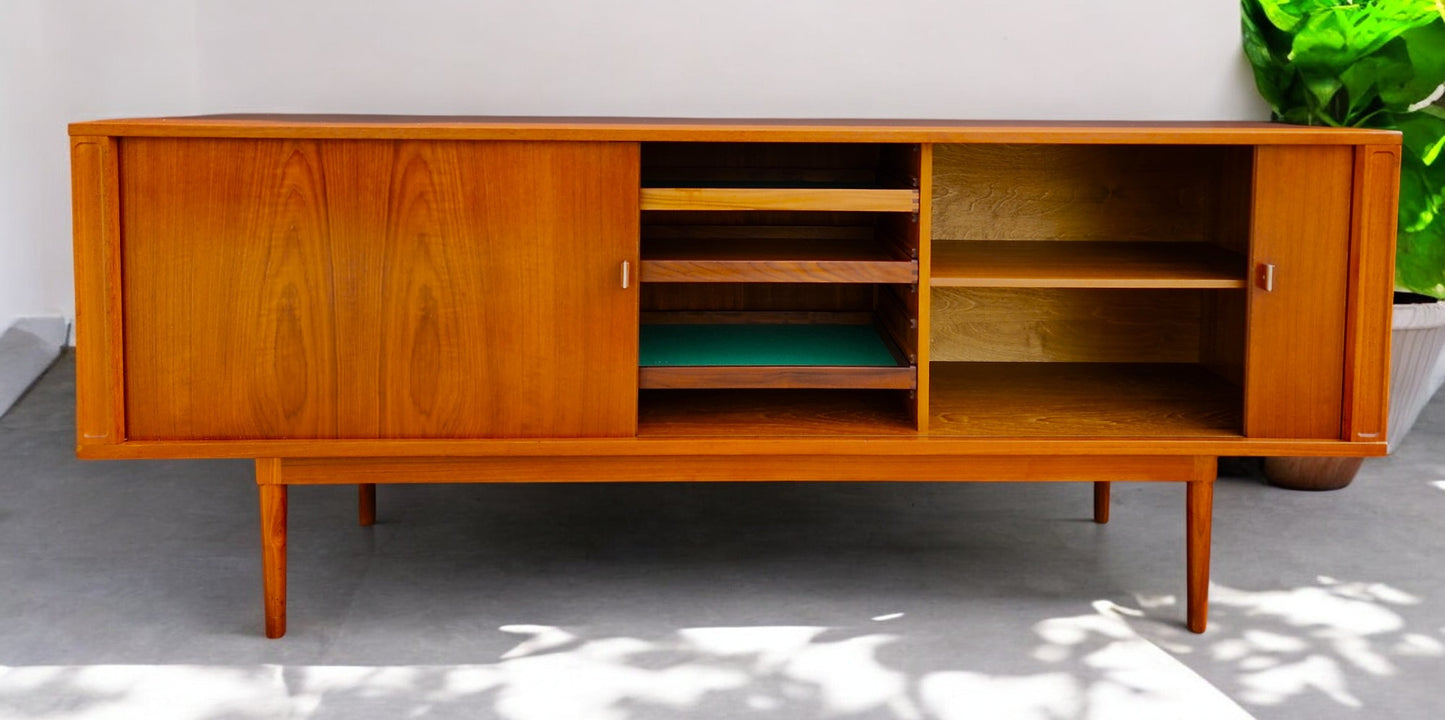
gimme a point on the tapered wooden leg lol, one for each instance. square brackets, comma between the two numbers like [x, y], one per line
[366, 504]
[273, 545]
[1101, 502]
[1198, 522]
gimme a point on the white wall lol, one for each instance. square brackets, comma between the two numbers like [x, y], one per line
[1067, 59]
[62, 60]
[1139, 59]
[22, 101]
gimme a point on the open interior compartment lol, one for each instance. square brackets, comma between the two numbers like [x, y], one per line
[785, 275]
[767, 343]
[1144, 216]
[1088, 290]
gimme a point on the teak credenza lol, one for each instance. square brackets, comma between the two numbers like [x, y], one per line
[362, 300]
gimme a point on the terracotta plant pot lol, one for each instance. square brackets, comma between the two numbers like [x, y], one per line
[1311, 473]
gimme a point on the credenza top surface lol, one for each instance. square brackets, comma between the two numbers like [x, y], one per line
[616, 129]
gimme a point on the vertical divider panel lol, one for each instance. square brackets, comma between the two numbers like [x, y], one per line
[923, 226]
[95, 208]
[1372, 281]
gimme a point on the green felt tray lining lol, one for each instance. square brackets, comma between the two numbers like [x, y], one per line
[754, 345]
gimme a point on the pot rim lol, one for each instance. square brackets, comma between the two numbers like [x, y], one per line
[1418, 316]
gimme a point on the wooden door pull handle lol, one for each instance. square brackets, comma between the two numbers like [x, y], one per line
[1264, 277]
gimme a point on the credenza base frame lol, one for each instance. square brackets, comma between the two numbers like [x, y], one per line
[274, 475]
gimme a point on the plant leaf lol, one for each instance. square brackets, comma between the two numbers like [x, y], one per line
[1420, 260]
[1271, 76]
[1425, 48]
[1288, 15]
[1423, 133]
[1322, 90]
[1331, 40]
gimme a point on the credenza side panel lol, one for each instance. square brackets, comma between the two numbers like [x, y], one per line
[364, 289]
[95, 208]
[1295, 351]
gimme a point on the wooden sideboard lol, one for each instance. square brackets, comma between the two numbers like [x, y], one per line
[362, 300]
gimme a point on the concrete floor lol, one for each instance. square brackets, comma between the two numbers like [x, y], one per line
[132, 590]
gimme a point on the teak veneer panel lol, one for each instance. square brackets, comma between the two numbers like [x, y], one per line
[776, 376]
[980, 263]
[748, 444]
[713, 413]
[619, 129]
[773, 260]
[99, 370]
[300, 289]
[810, 271]
[1372, 260]
[830, 199]
[707, 468]
[1295, 354]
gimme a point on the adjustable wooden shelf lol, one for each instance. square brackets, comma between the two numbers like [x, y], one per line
[365, 300]
[1069, 264]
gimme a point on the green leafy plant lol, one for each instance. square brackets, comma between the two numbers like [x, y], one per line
[1366, 63]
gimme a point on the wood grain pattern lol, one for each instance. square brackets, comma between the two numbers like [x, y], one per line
[897, 320]
[817, 199]
[748, 317]
[821, 377]
[502, 313]
[812, 271]
[770, 412]
[921, 233]
[617, 129]
[741, 445]
[272, 494]
[705, 468]
[1102, 490]
[1198, 522]
[757, 297]
[99, 369]
[1296, 337]
[227, 290]
[302, 289]
[366, 504]
[1075, 192]
[1372, 263]
[1065, 325]
[1086, 265]
[1081, 400]
[769, 260]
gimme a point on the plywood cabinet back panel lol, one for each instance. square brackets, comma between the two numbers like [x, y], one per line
[304, 289]
[1076, 192]
[1066, 325]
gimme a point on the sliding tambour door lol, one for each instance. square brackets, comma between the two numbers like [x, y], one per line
[1299, 260]
[378, 288]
